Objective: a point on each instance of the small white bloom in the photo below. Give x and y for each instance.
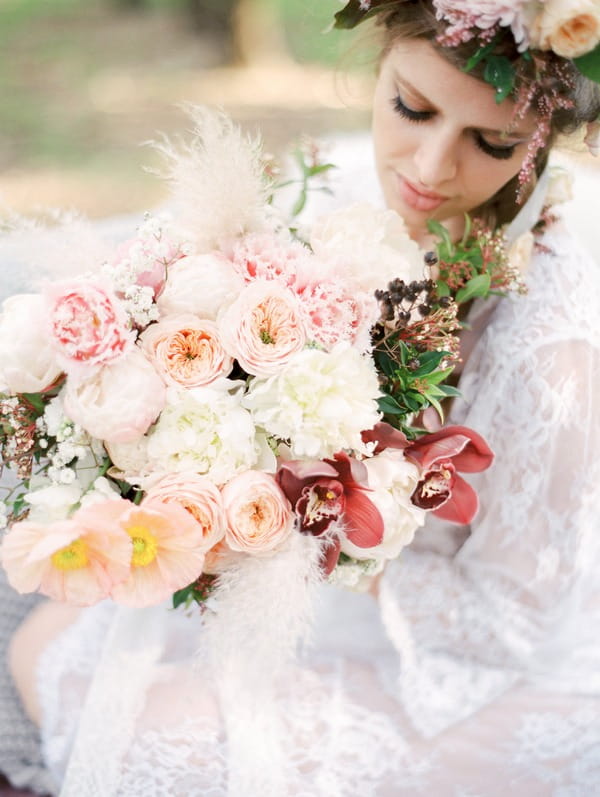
(357, 576)
(53, 502)
(320, 402)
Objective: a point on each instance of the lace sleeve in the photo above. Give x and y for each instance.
(514, 597)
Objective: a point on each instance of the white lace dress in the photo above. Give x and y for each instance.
(477, 673)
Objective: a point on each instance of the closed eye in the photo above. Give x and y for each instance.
(500, 153)
(408, 113)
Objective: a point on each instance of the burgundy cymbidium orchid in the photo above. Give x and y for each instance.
(441, 456)
(330, 499)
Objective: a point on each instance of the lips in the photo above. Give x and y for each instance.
(418, 198)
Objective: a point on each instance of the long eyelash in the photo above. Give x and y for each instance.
(500, 153)
(408, 113)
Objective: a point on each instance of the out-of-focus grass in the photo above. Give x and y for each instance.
(83, 81)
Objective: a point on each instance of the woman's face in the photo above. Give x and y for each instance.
(440, 148)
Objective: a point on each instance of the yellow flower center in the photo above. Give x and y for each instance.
(145, 546)
(71, 557)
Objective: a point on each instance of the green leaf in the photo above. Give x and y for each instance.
(442, 289)
(468, 227)
(479, 55)
(352, 14)
(500, 73)
(437, 407)
(183, 596)
(36, 400)
(449, 391)
(299, 204)
(478, 286)
(389, 406)
(385, 363)
(429, 362)
(320, 169)
(437, 229)
(589, 64)
(439, 376)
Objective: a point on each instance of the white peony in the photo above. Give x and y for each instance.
(320, 402)
(204, 430)
(370, 245)
(393, 480)
(200, 285)
(27, 360)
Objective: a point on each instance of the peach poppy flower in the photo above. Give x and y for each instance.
(76, 561)
(168, 552)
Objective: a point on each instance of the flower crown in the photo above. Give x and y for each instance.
(568, 29)
(550, 34)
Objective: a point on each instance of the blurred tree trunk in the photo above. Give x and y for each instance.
(259, 34)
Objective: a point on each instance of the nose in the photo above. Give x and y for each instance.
(436, 157)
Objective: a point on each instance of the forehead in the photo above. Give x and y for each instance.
(416, 64)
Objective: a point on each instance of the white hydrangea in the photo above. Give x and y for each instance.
(320, 402)
(356, 575)
(204, 430)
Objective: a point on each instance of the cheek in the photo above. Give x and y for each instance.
(486, 176)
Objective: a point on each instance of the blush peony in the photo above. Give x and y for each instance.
(186, 351)
(263, 328)
(259, 516)
(87, 324)
(201, 285)
(118, 402)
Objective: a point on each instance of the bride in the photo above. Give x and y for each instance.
(472, 668)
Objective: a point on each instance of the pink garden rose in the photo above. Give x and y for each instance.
(118, 402)
(76, 561)
(199, 496)
(87, 324)
(259, 516)
(263, 328)
(168, 551)
(186, 351)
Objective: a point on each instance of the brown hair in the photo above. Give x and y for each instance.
(417, 20)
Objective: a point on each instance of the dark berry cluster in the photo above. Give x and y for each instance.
(399, 303)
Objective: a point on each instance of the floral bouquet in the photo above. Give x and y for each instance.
(220, 385)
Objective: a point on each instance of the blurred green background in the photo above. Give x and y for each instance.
(83, 82)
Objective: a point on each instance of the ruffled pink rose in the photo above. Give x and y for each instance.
(199, 496)
(76, 561)
(259, 516)
(264, 256)
(263, 328)
(88, 324)
(187, 351)
(118, 402)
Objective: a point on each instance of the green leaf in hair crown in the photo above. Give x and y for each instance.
(356, 11)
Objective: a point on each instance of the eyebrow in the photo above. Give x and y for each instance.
(518, 135)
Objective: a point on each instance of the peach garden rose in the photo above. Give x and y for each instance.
(199, 496)
(263, 328)
(570, 28)
(186, 351)
(259, 516)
